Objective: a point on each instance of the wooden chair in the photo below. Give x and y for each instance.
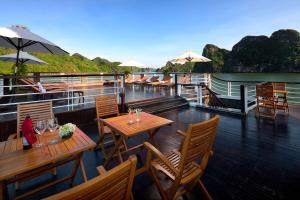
(37, 112)
(115, 184)
(186, 166)
(280, 90)
(166, 81)
(142, 79)
(106, 106)
(266, 101)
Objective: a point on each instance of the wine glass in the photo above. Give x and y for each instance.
(130, 113)
(53, 126)
(40, 128)
(138, 113)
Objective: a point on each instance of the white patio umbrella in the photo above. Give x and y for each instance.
(24, 58)
(190, 56)
(22, 39)
(131, 63)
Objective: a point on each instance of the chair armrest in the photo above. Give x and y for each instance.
(160, 156)
(101, 170)
(181, 133)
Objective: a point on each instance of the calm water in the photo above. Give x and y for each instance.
(273, 77)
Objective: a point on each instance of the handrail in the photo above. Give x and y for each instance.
(247, 81)
(58, 75)
(76, 89)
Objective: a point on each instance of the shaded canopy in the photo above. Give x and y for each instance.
(21, 38)
(24, 58)
(131, 63)
(190, 56)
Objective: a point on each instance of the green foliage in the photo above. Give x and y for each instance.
(127, 72)
(66, 64)
(21, 71)
(186, 67)
(217, 55)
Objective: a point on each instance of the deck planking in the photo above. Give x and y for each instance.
(253, 158)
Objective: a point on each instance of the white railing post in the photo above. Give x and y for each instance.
(72, 93)
(68, 84)
(199, 94)
(229, 88)
(209, 80)
(179, 89)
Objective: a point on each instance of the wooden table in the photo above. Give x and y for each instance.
(119, 125)
(17, 165)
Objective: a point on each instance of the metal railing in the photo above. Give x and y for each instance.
(245, 91)
(67, 92)
(80, 90)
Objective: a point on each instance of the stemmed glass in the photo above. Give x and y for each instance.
(130, 113)
(138, 113)
(40, 128)
(53, 126)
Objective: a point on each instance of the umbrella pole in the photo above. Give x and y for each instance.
(17, 62)
(14, 82)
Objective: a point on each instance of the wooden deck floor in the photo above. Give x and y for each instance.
(253, 158)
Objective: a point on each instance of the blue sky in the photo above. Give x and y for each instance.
(150, 31)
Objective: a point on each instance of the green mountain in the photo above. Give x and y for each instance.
(278, 53)
(75, 63)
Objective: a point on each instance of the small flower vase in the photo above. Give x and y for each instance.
(67, 135)
(66, 131)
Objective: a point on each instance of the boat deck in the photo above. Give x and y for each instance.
(253, 158)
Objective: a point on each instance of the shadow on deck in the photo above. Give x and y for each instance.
(253, 158)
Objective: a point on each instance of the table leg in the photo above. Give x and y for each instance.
(116, 148)
(77, 164)
(3, 191)
(83, 170)
(152, 133)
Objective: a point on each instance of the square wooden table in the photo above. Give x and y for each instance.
(119, 125)
(17, 164)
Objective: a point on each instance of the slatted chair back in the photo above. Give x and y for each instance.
(167, 78)
(198, 142)
(279, 86)
(37, 112)
(114, 184)
(154, 79)
(106, 105)
(265, 91)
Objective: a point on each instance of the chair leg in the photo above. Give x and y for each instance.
(17, 185)
(204, 190)
(131, 196)
(100, 145)
(158, 185)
